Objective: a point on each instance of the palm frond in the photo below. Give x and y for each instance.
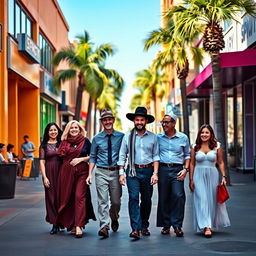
(62, 76)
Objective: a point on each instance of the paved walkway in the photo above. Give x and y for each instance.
(23, 230)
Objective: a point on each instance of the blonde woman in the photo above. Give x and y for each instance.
(75, 207)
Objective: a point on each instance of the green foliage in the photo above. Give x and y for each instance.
(87, 63)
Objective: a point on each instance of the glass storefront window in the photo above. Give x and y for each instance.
(11, 16)
(18, 20)
(46, 54)
(240, 138)
(47, 114)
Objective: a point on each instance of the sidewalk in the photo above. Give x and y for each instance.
(23, 230)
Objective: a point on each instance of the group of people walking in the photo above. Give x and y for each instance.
(138, 159)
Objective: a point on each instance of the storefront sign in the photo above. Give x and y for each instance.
(27, 168)
(46, 85)
(22, 65)
(230, 43)
(175, 109)
(29, 47)
(171, 108)
(248, 31)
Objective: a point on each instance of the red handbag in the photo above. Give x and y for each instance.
(222, 193)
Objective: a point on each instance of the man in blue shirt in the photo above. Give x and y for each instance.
(174, 153)
(141, 146)
(27, 148)
(104, 155)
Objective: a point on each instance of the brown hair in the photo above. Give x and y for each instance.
(212, 140)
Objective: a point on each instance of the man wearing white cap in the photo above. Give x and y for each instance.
(174, 154)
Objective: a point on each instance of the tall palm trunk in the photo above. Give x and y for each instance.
(182, 74)
(79, 95)
(218, 106)
(155, 111)
(95, 119)
(184, 106)
(89, 118)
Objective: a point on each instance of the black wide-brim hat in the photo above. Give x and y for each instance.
(140, 111)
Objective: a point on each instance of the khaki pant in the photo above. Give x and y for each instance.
(108, 187)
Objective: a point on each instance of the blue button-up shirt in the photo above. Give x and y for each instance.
(175, 149)
(146, 148)
(99, 148)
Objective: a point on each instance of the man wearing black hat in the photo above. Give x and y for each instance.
(141, 147)
(104, 154)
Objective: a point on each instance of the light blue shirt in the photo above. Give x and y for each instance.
(175, 149)
(99, 148)
(25, 147)
(146, 148)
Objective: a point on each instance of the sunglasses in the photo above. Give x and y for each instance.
(167, 122)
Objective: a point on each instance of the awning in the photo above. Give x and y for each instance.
(236, 67)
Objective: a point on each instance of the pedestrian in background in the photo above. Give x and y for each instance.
(27, 148)
(75, 206)
(203, 181)
(50, 165)
(141, 147)
(174, 154)
(13, 158)
(104, 155)
(2, 159)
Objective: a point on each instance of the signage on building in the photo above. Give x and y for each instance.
(46, 86)
(175, 109)
(247, 30)
(29, 47)
(230, 43)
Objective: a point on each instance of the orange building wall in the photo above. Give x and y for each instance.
(13, 113)
(3, 75)
(29, 118)
(19, 95)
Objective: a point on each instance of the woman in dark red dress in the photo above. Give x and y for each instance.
(75, 208)
(50, 166)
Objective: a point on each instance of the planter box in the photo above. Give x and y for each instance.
(8, 174)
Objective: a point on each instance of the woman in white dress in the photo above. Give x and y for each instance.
(203, 181)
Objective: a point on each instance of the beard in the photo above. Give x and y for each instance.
(143, 127)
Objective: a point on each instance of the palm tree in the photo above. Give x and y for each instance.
(152, 82)
(137, 99)
(175, 53)
(110, 98)
(88, 65)
(206, 17)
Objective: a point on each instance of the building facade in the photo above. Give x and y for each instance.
(32, 31)
(238, 68)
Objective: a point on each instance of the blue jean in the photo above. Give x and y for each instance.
(171, 197)
(140, 192)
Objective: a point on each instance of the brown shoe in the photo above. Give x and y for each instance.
(207, 232)
(135, 234)
(178, 232)
(103, 232)
(165, 231)
(114, 225)
(145, 232)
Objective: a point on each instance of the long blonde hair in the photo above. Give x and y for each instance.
(68, 126)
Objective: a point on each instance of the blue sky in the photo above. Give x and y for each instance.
(125, 24)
